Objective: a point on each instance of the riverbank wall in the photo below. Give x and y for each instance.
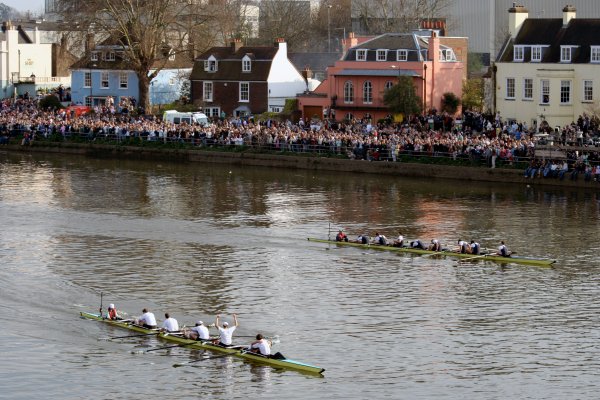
(403, 169)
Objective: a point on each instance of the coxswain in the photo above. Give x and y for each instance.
(399, 242)
(170, 324)
(380, 239)
(198, 332)
(147, 320)
(435, 245)
(475, 248)
(341, 237)
(417, 244)
(226, 332)
(112, 312)
(463, 247)
(503, 250)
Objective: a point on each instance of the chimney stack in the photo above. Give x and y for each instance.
(236, 44)
(569, 12)
(517, 14)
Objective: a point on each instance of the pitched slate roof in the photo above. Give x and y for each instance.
(229, 61)
(314, 61)
(551, 32)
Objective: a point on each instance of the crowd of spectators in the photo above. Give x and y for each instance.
(480, 138)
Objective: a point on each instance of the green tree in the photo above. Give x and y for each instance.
(402, 97)
(473, 94)
(450, 102)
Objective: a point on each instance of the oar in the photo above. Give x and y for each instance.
(274, 339)
(100, 304)
(201, 359)
(132, 336)
(164, 347)
(471, 258)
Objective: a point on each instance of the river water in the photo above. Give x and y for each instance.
(197, 240)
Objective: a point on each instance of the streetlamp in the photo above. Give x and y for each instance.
(424, 89)
(328, 28)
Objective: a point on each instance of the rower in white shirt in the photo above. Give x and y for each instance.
(503, 250)
(170, 324)
(225, 331)
(198, 332)
(147, 320)
(261, 345)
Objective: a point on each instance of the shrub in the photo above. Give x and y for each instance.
(50, 102)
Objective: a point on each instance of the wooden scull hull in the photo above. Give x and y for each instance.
(499, 259)
(194, 344)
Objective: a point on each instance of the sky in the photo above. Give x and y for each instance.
(24, 5)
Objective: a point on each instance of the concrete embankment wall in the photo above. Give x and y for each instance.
(427, 171)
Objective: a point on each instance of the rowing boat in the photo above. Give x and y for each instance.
(540, 262)
(194, 344)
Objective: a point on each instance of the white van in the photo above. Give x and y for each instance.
(177, 117)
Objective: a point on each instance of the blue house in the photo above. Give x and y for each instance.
(102, 76)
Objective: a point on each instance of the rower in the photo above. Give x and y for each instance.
(262, 346)
(147, 320)
(362, 239)
(463, 247)
(170, 324)
(503, 250)
(341, 236)
(475, 248)
(226, 332)
(435, 245)
(198, 332)
(380, 239)
(399, 242)
(417, 244)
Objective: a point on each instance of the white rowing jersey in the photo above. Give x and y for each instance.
(263, 346)
(462, 245)
(148, 318)
(171, 324)
(226, 335)
(503, 250)
(202, 332)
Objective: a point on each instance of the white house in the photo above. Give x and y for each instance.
(548, 68)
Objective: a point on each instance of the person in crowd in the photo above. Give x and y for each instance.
(147, 319)
(170, 324)
(226, 331)
(341, 236)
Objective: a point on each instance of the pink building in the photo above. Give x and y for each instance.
(355, 85)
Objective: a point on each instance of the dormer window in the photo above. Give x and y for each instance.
(171, 55)
(402, 55)
(536, 53)
(381, 55)
(447, 55)
(595, 54)
(94, 56)
(246, 64)
(211, 64)
(361, 55)
(565, 54)
(518, 53)
(110, 56)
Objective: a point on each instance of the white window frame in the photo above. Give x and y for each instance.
(527, 88)
(88, 101)
(566, 92)
(510, 88)
(361, 54)
(104, 80)
(587, 90)
(402, 55)
(595, 54)
(544, 90)
(348, 92)
(381, 55)
(87, 79)
(123, 80)
(367, 96)
(565, 54)
(110, 56)
(211, 64)
(207, 90)
(519, 53)
(244, 92)
(171, 55)
(388, 85)
(536, 53)
(246, 64)
(94, 56)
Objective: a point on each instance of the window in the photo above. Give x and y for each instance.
(536, 54)
(545, 91)
(565, 54)
(402, 55)
(565, 92)
(214, 112)
(361, 55)
(388, 85)
(172, 55)
(510, 88)
(348, 92)
(246, 64)
(172, 81)
(110, 56)
(123, 80)
(211, 65)
(87, 79)
(88, 101)
(518, 53)
(381, 55)
(349, 117)
(244, 91)
(527, 89)
(588, 90)
(104, 80)
(207, 91)
(94, 56)
(595, 54)
(367, 92)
